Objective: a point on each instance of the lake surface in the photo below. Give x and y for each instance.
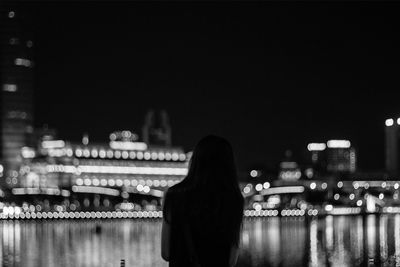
(331, 241)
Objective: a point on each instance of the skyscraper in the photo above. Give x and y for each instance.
(16, 80)
(336, 156)
(341, 157)
(392, 146)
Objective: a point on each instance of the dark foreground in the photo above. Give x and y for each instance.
(330, 241)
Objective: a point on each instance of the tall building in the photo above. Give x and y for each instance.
(341, 157)
(318, 156)
(392, 146)
(289, 169)
(16, 80)
(156, 130)
(335, 156)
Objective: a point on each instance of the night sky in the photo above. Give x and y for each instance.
(268, 76)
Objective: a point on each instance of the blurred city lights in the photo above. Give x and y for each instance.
(266, 185)
(339, 144)
(389, 122)
(259, 187)
(316, 147)
(254, 173)
(313, 186)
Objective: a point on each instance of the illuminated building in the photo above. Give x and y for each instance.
(16, 81)
(124, 169)
(317, 151)
(289, 169)
(392, 146)
(341, 157)
(335, 156)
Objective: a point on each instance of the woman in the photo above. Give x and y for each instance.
(203, 214)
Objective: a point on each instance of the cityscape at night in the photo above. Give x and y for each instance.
(102, 104)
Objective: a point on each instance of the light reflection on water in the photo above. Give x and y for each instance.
(331, 241)
(76, 243)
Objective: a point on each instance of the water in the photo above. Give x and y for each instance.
(331, 241)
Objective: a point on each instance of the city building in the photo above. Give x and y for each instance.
(341, 157)
(289, 169)
(318, 157)
(16, 80)
(335, 156)
(392, 146)
(97, 176)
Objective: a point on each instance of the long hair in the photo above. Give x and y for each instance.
(212, 181)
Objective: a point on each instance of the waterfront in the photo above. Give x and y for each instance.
(329, 241)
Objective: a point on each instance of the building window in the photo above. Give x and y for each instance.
(9, 87)
(11, 14)
(17, 115)
(14, 41)
(23, 62)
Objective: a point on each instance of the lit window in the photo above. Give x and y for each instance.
(23, 62)
(17, 115)
(11, 14)
(9, 87)
(13, 41)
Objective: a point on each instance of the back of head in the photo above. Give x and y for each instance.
(212, 165)
(212, 181)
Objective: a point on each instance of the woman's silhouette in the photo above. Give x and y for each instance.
(203, 214)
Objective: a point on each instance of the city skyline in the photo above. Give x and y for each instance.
(102, 103)
(275, 81)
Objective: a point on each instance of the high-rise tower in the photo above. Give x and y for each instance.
(392, 146)
(16, 81)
